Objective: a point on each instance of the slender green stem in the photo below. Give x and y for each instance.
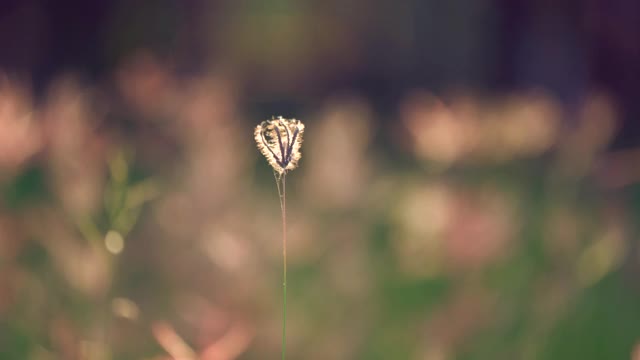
(283, 208)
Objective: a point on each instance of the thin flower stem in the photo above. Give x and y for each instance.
(283, 208)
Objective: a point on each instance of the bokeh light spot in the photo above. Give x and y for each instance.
(114, 242)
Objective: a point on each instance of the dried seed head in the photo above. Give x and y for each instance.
(279, 140)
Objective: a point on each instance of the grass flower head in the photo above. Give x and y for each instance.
(279, 140)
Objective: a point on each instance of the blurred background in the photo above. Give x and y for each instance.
(469, 187)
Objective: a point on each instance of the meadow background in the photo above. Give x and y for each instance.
(469, 186)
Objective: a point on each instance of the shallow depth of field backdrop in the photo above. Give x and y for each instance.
(469, 186)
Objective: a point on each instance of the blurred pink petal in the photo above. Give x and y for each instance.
(233, 343)
(20, 134)
(172, 342)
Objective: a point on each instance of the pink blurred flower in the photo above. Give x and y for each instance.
(437, 133)
(76, 152)
(219, 337)
(20, 135)
(148, 85)
(338, 168)
(480, 230)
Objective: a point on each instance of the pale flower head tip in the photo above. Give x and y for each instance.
(279, 140)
